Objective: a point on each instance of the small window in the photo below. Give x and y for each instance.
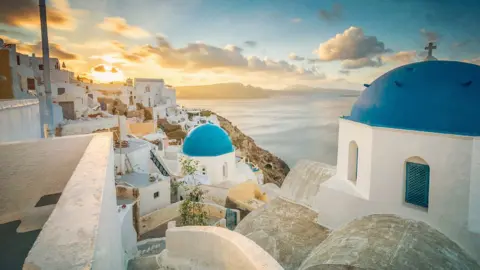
(156, 194)
(18, 60)
(147, 88)
(40, 66)
(225, 170)
(417, 183)
(353, 162)
(30, 84)
(61, 91)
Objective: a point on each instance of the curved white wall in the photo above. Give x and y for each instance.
(19, 120)
(218, 248)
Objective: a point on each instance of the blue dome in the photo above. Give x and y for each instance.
(207, 141)
(432, 96)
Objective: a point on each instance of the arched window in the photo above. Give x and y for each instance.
(225, 170)
(353, 162)
(417, 181)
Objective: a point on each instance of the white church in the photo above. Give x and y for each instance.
(212, 148)
(411, 147)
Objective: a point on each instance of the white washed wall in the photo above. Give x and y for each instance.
(129, 236)
(19, 120)
(148, 203)
(214, 167)
(451, 202)
(362, 135)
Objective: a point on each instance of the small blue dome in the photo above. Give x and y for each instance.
(432, 96)
(207, 141)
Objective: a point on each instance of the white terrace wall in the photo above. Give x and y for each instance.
(217, 248)
(19, 120)
(83, 232)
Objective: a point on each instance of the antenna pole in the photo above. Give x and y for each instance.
(46, 69)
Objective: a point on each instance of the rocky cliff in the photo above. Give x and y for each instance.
(274, 169)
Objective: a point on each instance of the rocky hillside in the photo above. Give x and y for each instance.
(274, 169)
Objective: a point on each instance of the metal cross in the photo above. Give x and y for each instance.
(430, 48)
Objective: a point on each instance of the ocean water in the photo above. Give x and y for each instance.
(292, 127)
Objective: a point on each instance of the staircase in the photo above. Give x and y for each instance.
(159, 165)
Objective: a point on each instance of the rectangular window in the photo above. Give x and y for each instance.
(40, 66)
(18, 60)
(417, 184)
(61, 91)
(156, 194)
(30, 84)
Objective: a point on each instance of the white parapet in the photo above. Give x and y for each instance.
(83, 232)
(214, 248)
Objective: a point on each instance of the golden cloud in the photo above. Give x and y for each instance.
(120, 26)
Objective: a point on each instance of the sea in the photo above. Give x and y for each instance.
(291, 126)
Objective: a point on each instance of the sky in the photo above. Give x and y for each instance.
(266, 43)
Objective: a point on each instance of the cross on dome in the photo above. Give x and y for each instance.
(430, 49)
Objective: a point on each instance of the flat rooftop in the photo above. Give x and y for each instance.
(33, 177)
(136, 179)
(133, 145)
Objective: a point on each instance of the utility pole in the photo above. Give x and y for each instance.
(46, 69)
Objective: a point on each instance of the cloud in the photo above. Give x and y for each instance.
(361, 63)
(196, 57)
(100, 68)
(350, 45)
(296, 20)
(404, 57)
(25, 13)
(429, 35)
(250, 43)
(344, 72)
(8, 40)
(120, 26)
(313, 60)
(55, 50)
(334, 14)
(294, 57)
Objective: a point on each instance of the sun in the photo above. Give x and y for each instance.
(105, 74)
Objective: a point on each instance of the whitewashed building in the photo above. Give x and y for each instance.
(211, 146)
(411, 147)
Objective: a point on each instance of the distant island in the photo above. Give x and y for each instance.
(241, 91)
(221, 91)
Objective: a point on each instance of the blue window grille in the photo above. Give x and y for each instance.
(417, 184)
(231, 219)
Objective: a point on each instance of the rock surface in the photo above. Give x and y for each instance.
(274, 169)
(287, 231)
(388, 242)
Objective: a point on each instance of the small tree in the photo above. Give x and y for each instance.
(192, 212)
(189, 166)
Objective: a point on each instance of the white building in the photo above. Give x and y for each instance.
(154, 92)
(411, 147)
(135, 168)
(211, 146)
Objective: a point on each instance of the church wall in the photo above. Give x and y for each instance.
(362, 135)
(474, 200)
(449, 158)
(214, 167)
